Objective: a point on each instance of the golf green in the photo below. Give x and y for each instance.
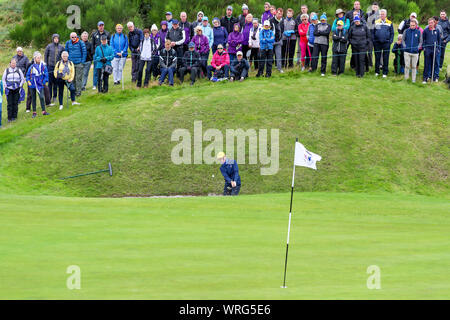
(225, 248)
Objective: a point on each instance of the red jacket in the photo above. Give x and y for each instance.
(302, 31)
(220, 60)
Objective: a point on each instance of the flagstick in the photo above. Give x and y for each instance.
(289, 225)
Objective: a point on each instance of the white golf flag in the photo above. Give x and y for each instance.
(305, 158)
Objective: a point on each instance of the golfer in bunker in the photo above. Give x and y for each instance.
(230, 172)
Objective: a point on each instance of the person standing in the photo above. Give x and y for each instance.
(242, 19)
(235, 40)
(445, 25)
(267, 15)
(201, 45)
(382, 38)
(228, 21)
(399, 60)
(248, 25)
(1, 101)
(220, 35)
(305, 52)
(22, 61)
(177, 37)
(356, 11)
(310, 36)
(340, 36)
(188, 31)
(299, 21)
(359, 37)
(411, 42)
(89, 57)
(404, 25)
(168, 62)
(147, 49)
(197, 22)
(135, 38)
(254, 44)
(52, 55)
(431, 45)
(230, 173)
(64, 72)
(208, 31)
(289, 39)
(103, 56)
(321, 44)
(37, 77)
(191, 63)
(77, 54)
(96, 41)
(162, 34)
(266, 44)
(13, 80)
(370, 18)
(119, 44)
(340, 16)
(277, 26)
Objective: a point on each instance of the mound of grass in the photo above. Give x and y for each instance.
(374, 136)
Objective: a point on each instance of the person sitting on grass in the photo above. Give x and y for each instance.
(103, 56)
(230, 172)
(64, 74)
(168, 63)
(191, 63)
(220, 65)
(37, 77)
(239, 67)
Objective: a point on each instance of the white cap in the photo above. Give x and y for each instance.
(19, 49)
(239, 53)
(267, 23)
(413, 14)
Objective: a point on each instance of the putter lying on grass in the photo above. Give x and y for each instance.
(89, 173)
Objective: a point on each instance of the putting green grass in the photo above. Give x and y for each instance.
(225, 248)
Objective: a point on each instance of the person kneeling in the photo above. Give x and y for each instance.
(230, 172)
(64, 74)
(168, 62)
(191, 63)
(239, 67)
(220, 65)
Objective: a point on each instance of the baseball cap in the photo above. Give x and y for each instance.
(168, 13)
(267, 23)
(205, 19)
(230, 8)
(239, 53)
(100, 23)
(356, 18)
(413, 15)
(174, 21)
(191, 45)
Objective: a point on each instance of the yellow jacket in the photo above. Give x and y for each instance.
(59, 68)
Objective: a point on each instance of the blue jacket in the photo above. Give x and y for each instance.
(108, 53)
(230, 171)
(412, 40)
(383, 33)
(266, 39)
(134, 39)
(37, 75)
(220, 36)
(119, 43)
(430, 38)
(77, 51)
(311, 34)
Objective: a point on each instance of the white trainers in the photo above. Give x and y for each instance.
(437, 80)
(28, 111)
(377, 74)
(323, 74)
(384, 76)
(281, 71)
(94, 88)
(74, 103)
(51, 104)
(61, 107)
(424, 82)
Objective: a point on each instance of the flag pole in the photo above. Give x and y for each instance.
(289, 225)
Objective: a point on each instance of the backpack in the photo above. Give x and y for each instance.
(65, 71)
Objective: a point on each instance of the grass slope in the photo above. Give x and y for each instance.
(225, 248)
(374, 135)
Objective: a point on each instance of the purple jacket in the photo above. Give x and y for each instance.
(246, 32)
(235, 40)
(266, 16)
(157, 40)
(201, 43)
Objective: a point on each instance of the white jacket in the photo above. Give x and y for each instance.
(254, 43)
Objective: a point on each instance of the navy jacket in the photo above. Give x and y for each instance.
(134, 39)
(383, 33)
(230, 171)
(412, 40)
(430, 38)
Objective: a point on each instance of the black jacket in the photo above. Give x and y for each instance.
(277, 28)
(176, 36)
(228, 23)
(89, 51)
(134, 39)
(349, 15)
(191, 59)
(167, 59)
(340, 38)
(96, 38)
(359, 36)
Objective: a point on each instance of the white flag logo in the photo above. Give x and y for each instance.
(305, 158)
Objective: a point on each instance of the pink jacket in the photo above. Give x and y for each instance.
(220, 60)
